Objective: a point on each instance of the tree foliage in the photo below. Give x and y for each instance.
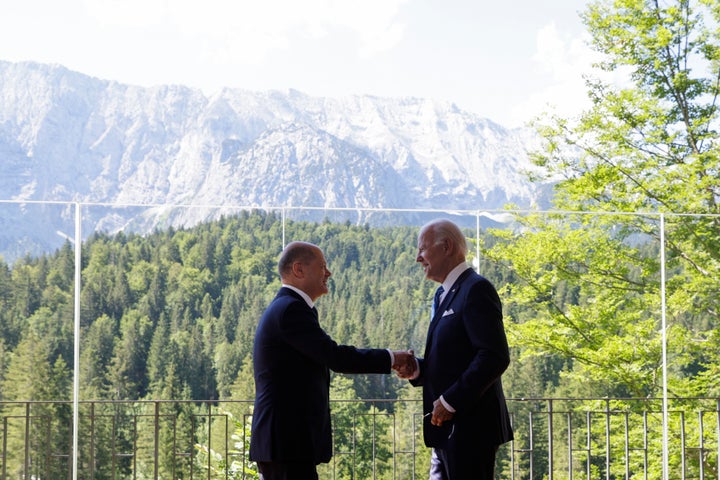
(176, 310)
(172, 314)
(637, 174)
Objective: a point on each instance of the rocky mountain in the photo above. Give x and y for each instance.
(69, 137)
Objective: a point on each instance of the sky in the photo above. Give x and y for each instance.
(504, 60)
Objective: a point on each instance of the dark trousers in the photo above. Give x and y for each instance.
(287, 471)
(446, 464)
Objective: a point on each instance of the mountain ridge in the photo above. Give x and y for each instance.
(66, 136)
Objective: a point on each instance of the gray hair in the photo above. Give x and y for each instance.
(443, 229)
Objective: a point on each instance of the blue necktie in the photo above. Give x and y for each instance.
(436, 300)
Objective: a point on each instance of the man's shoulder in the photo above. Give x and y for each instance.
(470, 276)
(286, 306)
(285, 297)
(473, 279)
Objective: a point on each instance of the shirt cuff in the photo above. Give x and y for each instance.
(392, 358)
(447, 406)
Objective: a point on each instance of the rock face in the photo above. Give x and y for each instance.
(68, 137)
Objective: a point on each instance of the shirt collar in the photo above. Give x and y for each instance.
(304, 295)
(453, 276)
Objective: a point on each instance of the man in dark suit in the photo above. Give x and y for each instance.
(466, 352)
(292, 357)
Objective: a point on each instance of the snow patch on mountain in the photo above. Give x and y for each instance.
(68, 137)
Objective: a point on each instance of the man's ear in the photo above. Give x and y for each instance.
(447, 245)
(297, 269)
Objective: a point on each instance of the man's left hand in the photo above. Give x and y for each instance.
(440, 414)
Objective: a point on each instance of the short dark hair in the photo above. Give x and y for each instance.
(302, 252)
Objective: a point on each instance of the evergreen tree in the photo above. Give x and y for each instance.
(95, 358)
(31, 376)
(127, 372)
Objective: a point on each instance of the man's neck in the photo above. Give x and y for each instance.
(304, 295)
(453, 275)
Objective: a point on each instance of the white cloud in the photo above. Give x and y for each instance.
(562, 57)
(568, 61)
(321, 47)
(247, 31)
(563, 61)
(374, 21)
(130, 13)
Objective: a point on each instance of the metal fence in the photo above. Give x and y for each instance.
(556, 438)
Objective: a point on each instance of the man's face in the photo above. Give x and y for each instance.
(431, 255)
(316, 274)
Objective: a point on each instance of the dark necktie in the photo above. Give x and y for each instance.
(436, 300)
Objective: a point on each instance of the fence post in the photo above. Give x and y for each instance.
(76, 341)
(550, 439)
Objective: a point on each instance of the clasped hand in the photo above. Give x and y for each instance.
(405, 363)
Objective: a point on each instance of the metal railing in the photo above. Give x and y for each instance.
(665, 441)
(555, 438)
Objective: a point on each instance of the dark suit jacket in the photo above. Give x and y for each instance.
(292, 358)
(466, 352)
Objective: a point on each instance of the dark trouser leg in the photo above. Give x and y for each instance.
(478, 464)
(287, 471)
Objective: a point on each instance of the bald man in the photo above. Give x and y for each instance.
(292, 357)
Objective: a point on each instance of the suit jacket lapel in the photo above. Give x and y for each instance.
(447, 300)
(451, 294)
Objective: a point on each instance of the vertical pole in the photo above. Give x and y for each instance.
(717, 427)
(664, 347)
(607, 439)
(570, 445)
(550, 447)
(76, 340)
(477, 242)
(156, 439)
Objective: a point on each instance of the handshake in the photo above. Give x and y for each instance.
(405, 364)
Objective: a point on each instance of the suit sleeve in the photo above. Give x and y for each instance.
(418, 380)
(482, 319)
(302, 331)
